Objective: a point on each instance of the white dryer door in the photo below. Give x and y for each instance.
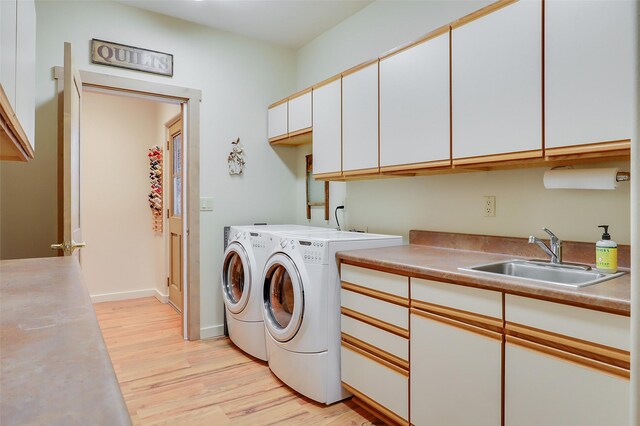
(236, 278)
(283, 297)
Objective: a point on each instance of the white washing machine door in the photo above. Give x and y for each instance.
(236, 278)
(283, 297)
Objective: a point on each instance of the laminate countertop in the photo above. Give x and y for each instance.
(55, 368)
(441, 264)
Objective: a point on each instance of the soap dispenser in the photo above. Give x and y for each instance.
(606, 253)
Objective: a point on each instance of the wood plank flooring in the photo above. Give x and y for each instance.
(168, 381)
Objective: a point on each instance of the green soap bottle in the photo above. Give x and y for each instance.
(606, 253)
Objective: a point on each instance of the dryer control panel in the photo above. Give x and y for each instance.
(314, 251)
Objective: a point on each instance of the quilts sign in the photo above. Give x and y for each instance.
(133, 58)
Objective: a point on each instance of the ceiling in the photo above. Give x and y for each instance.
(290, 23)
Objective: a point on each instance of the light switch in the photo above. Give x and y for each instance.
(206, 204)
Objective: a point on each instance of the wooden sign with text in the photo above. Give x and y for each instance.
(133, 58)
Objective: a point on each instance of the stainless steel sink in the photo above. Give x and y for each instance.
(567, 275)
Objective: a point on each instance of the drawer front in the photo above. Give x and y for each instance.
(383, 311)
(585, 324)
(388, 342)
(375, 280)
(376, 380)
(475, 300)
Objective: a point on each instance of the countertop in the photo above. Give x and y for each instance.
(442, 264)
(55, 368)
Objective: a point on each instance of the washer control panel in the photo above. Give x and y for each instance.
(314, 251)
(259, 241)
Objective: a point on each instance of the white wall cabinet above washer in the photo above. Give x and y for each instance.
(300, 113)
(278, 121)
(497, 85)
(588, 72)
(327, 129)
(360, 121)
(414, 107)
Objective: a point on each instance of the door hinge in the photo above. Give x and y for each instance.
(167, 213)
(167, 281)
(167, 145)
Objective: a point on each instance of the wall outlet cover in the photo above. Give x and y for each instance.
(206, 204)
(489, 206)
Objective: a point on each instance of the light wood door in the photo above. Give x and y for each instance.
(497, 83)
(327, 128)
(414, 106)
(360, 121)
(456, 372)
(175, 164)
(71, 215)
(588, 72)
(543, 389)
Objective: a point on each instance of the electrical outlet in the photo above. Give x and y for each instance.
(489, 206)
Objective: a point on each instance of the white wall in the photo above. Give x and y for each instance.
(450, 203)
(124, 256)
(239, 77)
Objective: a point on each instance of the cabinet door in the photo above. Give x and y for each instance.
(327, 136)
(456, 372)
(300, 113)
(8, 29)
(414, 106)
(360, 121)
(542, 389)
(278, 116)
(588, 72)
(25, 105)
(497, 85)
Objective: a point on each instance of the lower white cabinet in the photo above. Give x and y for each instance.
(376, 381)
(456, 376)
(553, 390)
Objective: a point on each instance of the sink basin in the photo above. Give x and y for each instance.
(568, 275)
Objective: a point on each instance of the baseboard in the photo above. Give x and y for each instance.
(212, 331)
(125, 295)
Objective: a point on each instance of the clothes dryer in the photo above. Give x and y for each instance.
(301, 308)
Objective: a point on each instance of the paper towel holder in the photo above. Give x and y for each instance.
(620, 176)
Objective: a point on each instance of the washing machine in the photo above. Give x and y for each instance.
(243, 261)
(301, 308)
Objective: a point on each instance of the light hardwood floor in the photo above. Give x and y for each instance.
(166, 380)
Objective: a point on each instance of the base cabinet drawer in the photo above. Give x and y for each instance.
(551, 390)
(456, 373)
(378, 381)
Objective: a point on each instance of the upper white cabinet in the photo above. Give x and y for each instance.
(8, 33)
(327, 129)
(26, 68)
(497, 84)
(414, 107)
(300, 113)
(17, 79)
(360, 121)
(589, 71)
(278, 116)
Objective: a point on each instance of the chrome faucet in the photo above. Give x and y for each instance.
(555, 252)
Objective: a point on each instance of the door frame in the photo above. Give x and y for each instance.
(191, 99)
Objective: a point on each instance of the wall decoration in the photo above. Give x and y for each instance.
(236, 158)
(155, 196)
(129, 57)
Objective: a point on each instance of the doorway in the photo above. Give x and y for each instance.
(190, 100)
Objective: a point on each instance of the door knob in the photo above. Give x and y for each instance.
(67, 247)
